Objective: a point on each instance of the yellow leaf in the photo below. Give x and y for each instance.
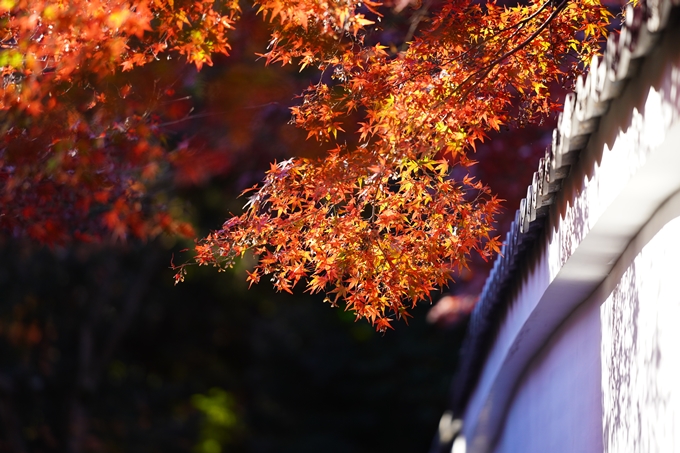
(6, 5)
(118, 18)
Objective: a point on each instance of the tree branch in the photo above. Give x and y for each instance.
(487, 69)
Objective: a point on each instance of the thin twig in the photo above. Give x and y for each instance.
(487, 69)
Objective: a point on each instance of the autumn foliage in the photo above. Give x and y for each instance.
(383, 219)
(80, 138)
(381, 224)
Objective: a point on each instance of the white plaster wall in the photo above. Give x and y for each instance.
(641, 351)
(608, 380)
(557, 407)
(627, 171)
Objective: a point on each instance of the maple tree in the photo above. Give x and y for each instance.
(381, 224)
(380, 221)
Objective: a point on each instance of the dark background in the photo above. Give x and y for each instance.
(100, 352)
(100, 349)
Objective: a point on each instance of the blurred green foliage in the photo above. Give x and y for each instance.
(219, 419)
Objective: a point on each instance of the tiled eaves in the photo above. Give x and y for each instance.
(580, 118)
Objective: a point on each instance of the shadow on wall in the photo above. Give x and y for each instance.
(640, 364)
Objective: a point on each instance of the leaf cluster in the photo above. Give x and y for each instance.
(81, 144)
(381, 224)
